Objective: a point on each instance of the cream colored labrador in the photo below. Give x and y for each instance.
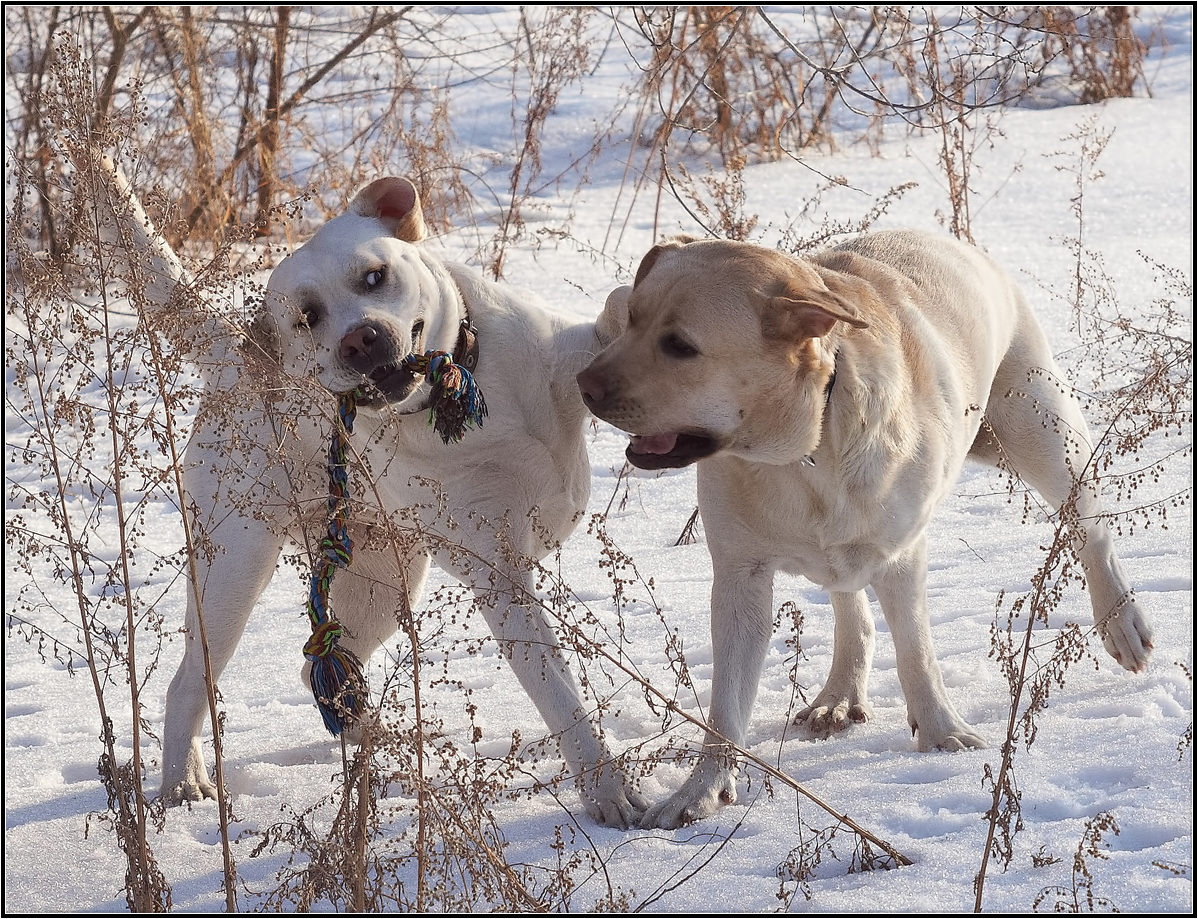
(830, 403)
(342, 312)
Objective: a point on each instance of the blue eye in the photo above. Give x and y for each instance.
(675, 346)
(375, 278)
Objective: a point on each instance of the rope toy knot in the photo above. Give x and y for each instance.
(323, 641)
(337, 681)
(456, 403)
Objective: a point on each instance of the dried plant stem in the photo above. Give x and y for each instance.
(1000, 783)
(776, 773)
(527, 898)
(407, 622)
(422, 834)
(146, 889)
(361, 770)
(222, 795)
(111, 391)
(172, 439)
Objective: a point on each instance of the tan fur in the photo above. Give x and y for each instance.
(830, 403)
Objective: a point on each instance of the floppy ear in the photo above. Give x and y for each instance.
(395, 202)
(647, 264)
(796, 316)
(262, 340)
(650, 259)
(614, 318)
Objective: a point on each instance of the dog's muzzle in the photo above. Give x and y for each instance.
(671, 450)
(371, 351)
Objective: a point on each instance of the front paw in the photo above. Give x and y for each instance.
(610, 800)
(1127, 636)
(185, 778)
(826, 717)
(944, 730)
(708, 789)
(188, 791)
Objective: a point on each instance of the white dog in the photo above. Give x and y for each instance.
(342, 312)
(830, 403)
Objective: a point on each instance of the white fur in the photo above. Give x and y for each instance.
(256, 463)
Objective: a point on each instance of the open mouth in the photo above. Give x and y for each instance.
(669, 451)
(392, 383)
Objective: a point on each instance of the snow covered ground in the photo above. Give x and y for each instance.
(1109, 741)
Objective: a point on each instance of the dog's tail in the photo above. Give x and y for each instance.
(157, 278)
(163, 291)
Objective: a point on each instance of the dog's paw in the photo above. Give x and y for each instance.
(708, 789)
(683, 809)
(186, 782)
(825, 718)
(187, 792)
(1127, 636)
(945, 731)
(621, 811)
(611, 801)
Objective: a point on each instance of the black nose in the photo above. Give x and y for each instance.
(357, 348)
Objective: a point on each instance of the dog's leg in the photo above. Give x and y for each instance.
(370, 599)
(230, 577)
(370, 596)
(844, 698)
(505, 591)
(1042, 434)
(741, 625)
(233, 490)
(902, 593)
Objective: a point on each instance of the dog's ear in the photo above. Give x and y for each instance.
(651, 257)
(262, 341)
(612, 321)
(395, 202)
(801, 314)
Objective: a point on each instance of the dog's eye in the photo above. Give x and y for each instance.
(310, 315)
(675, 346)
(375, 278)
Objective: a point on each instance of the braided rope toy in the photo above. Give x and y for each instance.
(456, 404)
(336, 676)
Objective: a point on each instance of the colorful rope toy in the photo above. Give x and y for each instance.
(336, 676)
(456, 404)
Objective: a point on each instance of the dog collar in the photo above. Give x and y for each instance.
(465, 352)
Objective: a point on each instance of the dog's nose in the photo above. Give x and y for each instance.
(357, 347)
(592, 387)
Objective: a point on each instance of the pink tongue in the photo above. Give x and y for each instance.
(656, 444)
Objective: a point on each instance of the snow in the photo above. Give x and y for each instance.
(1109, 741)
